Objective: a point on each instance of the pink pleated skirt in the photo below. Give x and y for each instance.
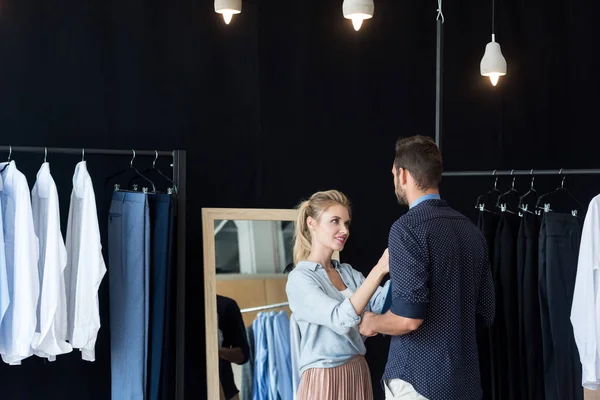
(351, 381)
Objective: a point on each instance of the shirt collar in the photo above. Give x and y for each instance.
(432, 196)
(313, 265)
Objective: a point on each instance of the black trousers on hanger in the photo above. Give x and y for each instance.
(487, 224)
(505, 335)
(560, 235)
(161, 236)
(530, 325)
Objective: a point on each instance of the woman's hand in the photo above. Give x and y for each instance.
(383, 265)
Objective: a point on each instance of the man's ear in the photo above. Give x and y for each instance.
(403, 176)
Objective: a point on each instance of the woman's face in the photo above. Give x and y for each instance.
(332, 228)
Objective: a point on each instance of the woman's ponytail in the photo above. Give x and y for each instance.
(302, 238)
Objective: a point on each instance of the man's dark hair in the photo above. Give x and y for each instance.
(420, 156)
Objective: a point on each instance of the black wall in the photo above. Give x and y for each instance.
(287, 100)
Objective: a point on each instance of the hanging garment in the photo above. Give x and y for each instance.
(161, 209)
(281, 330)
(560, 236)
(261, 374)
(487, 224)
(586, 307)
(530, 329)
(505, 332)
(50, 338)
(248, 368)
(129, 288)
(167, 373)
(85, 265)
(22, 252)
(272, 368)
(4, 284)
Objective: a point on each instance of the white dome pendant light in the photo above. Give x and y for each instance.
(358, 11)
(493, 63)
(227, 8)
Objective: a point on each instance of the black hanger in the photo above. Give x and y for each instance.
(8, 161)
(482, 200)
(147, 171)
(524, 205)
(544, 202)
(131, 168)
(509, 200)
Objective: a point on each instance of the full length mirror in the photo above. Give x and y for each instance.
(247, 253)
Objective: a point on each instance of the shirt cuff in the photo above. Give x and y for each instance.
(407, 309)
(88, 355)
(347, 314)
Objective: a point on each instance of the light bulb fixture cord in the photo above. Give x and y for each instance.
(440, 14)
(493, 19)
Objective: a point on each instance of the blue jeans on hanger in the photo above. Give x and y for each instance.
(129, 287)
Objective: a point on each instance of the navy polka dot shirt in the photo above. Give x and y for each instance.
(440, 273)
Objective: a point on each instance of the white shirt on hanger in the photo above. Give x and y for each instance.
(51, 333)
(4, 298)
(21, 246)
(85, 265)
(585, 309)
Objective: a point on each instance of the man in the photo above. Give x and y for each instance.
(441, 283)
(234, 346)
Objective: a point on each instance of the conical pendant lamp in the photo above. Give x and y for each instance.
(227, 8)
(358, 11)
(493, 63)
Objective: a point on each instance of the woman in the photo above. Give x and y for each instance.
(327, 299)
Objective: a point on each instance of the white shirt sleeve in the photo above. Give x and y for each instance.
(51, 333)
(85, 265)
(585, 309)
(4, 298)
(23, 265)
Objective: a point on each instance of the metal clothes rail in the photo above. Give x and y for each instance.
(179, 179)
(267, 307)
(529, 172)
(85, 151)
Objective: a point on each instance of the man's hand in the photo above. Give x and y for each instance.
(366, 325)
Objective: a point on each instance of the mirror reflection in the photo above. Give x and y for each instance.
(251, 258)
(253, 247)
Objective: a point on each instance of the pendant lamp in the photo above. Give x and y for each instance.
(493, 63)
(227, 8)
(358, 11)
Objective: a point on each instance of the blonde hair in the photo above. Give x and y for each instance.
(314, 207)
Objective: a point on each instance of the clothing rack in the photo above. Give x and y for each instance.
(267, 307)
(530, 172)
(179, 179)
(84, 152)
